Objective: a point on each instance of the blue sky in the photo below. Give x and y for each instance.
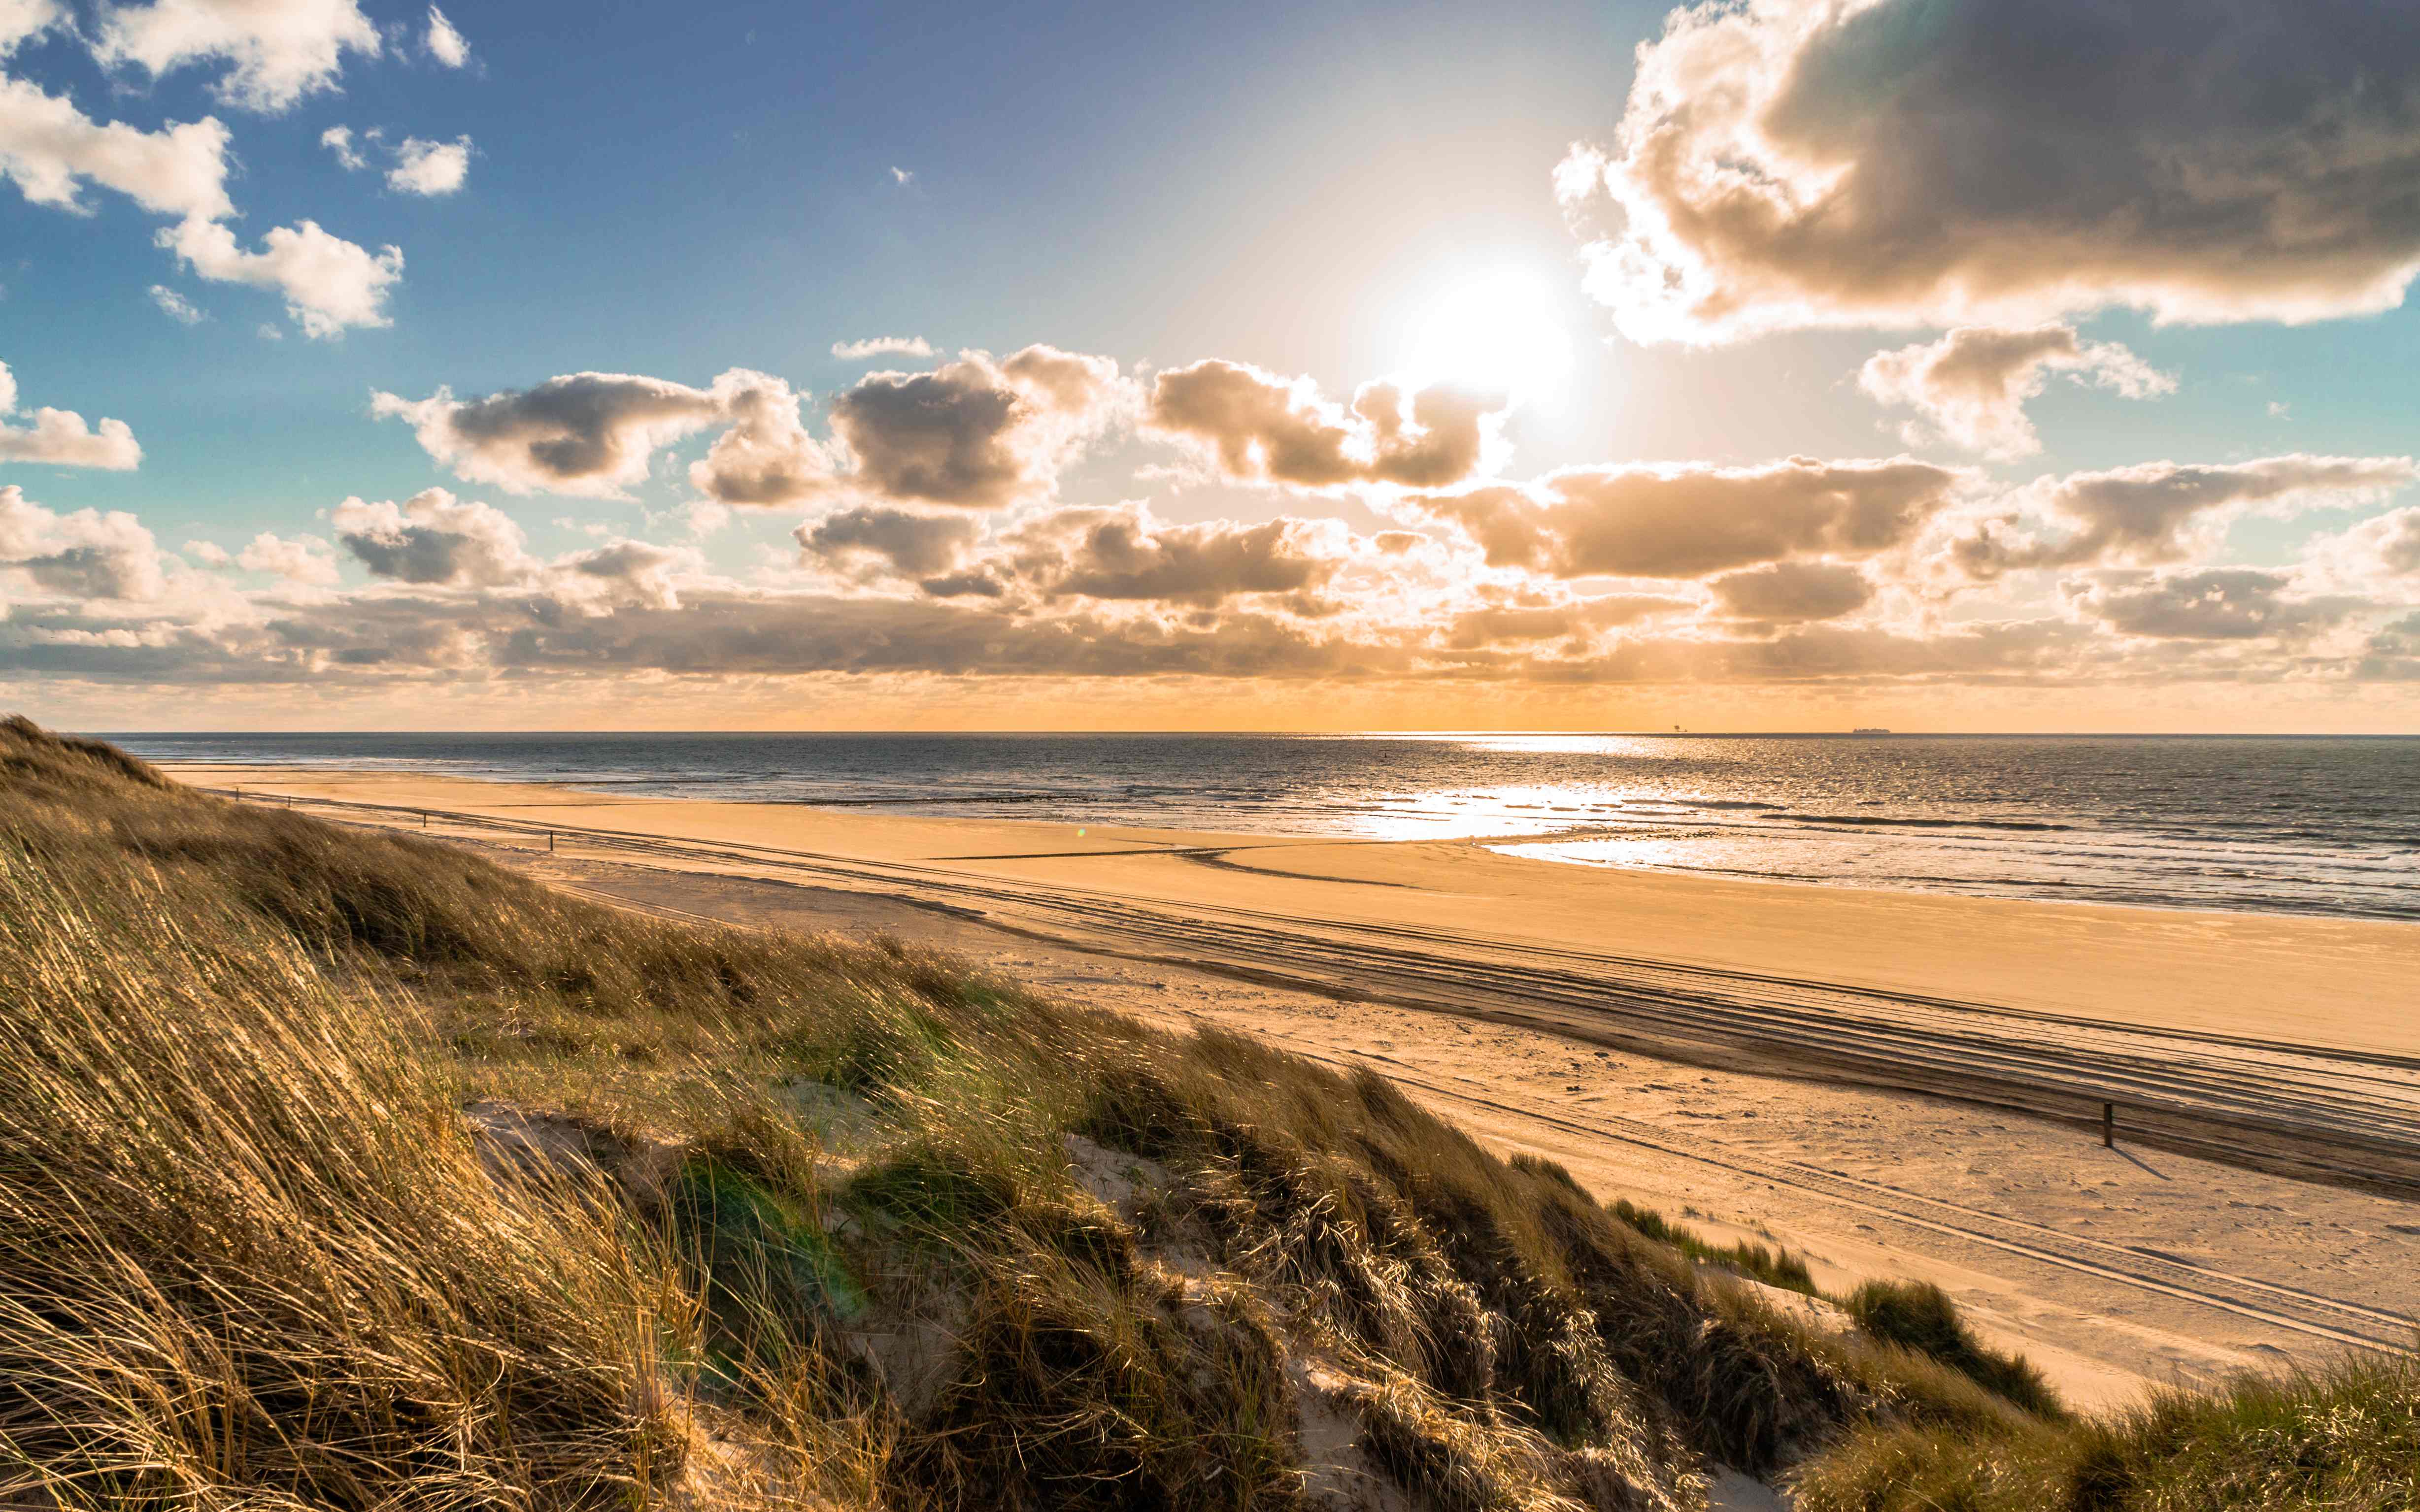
(1323, 195)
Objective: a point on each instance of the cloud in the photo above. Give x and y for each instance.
(766, 459)
(445, 43)
(1688, 520)
(2212, 604)
(978, 433)
(420, 166)
(1257, 427)
(434, 538)
(82, 555)
(1124, 554)
(2383, 547)
(60, 438)
(2162, 511)
(329, 284)
(853, 352)
(595, 434)
(902, 543)
(1789, 593)
(175, 306)
(1973, 383)
(590, 434)
(339, 140)
(21, 20)
(304, 559)
(276, 50)
(48, 150)
(429, 168)
(1791, 163)
(902, 177)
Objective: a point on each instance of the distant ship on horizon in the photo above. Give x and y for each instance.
(1870, 730)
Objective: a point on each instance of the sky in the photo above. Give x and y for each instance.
(1784, 364)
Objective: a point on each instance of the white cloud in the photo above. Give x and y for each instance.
(48, 150)
(901, 176)
(276, 50)
(1787, 164)
(339, 140)
(1971, 386)
(435, 538)
(175, 306)
(588, 434)
(51, 151)
(21, 20)
(60, 438)
(83, 555)
(329, 284)
(304, 559)
(445, 43)
(854, 352)
(431, 168)
(978, 433)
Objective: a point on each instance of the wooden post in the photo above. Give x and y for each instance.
(2108, 1125)
(424, 819)
(549, 842)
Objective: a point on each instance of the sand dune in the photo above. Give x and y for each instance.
(1500, 989)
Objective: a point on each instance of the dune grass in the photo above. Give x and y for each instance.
(343, 1169)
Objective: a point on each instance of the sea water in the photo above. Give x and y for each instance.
(2286, 823)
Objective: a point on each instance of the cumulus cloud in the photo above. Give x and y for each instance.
(1789, 593)
(2383, 547)
(434, 538)
(175, 306)
(276, 50)
(1257, 427)
(445, 43)
(60, 438)
(21, 20)
(2211, 604)
(303, 559)
(329, 284)
(1825, 162)
(429, 168)
(83, 555)
(855, 351)
(582, 433)
(339, 140)
(2162, 511)
(978, 433)
(1122, 553)
(1688, 520)
(902, 543)
(766, 459)
(1971, 386)
(50, 149)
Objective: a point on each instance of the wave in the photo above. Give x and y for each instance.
(1924, 824)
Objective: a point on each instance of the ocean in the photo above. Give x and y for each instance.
(2286, 823)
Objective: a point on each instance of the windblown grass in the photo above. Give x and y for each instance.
(341, 1168)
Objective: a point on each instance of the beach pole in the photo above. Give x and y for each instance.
(549, 842)
(2108, 1125)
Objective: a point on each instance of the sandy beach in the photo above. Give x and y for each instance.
(1895, 1083)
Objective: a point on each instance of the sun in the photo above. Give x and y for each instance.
(1502, 329)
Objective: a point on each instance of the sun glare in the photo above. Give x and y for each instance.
(1502, 329)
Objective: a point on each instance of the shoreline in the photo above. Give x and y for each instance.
(2316, 979)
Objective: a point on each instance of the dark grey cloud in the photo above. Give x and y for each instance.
(434, 538)
(1805, 163)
